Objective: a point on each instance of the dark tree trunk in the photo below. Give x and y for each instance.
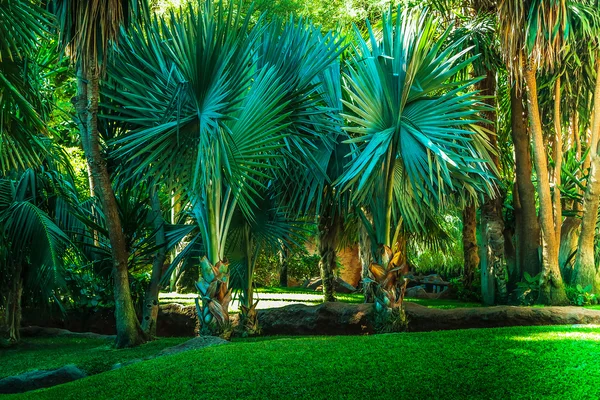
(527, 224)
(129, 331)
(150, 313)
(187, 277)
(493, 263)
(13, 305)
(470, 248)
(329, 226)
(283, 266)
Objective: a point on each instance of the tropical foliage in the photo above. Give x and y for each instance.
(212, 139)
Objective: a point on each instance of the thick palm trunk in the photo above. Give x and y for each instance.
(470, 248)
(493, 263)
(585, 272)
(569, 237)
(329, 222)
(527, 224)
(129, 332)
(150, 313)
(552, 289)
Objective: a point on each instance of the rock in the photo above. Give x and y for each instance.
(341, 286)
(130, 362)
(193, 344)
(423, 319)
(323, 319)
(434, 279)
(177, 320)
(417, 292)
(355, 319)
(40, 379)
(38, 331)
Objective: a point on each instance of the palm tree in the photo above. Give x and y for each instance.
(227, 100)
(86, 30)
(414, 130)
(23, 26)
(534, 35)
(585, 271)
(33, 246)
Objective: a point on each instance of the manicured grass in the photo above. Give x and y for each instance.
(525, 362)
(443, 303)
(279, 297)
(91, 355)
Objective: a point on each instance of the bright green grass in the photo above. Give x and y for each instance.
(278, 297)
(91, 355)
(516, 363)
(443, 303)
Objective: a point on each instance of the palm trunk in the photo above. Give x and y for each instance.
(493, 264)
(569, 237)
(13, 305)
(527, 224)
(129, 331)
(175, 209)
(248, 312)
(585, 272)
(558, 154)
(365, 254)
(151, 298)
(470, 249)
(283, 265)
(327, 244)
(552, 289)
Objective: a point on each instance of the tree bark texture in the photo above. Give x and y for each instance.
(150, 313)
(527, 224)
(585, 272)
(329, 227)
(552, 291)
(129, 331)
(470, 248)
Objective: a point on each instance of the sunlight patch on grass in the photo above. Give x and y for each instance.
(556, 336)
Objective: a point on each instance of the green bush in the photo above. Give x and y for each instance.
(581, 296)
(301, 265)
(466, 294)
(528, 289)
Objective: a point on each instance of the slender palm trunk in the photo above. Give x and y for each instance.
(552, 289)
(284, 254)
(585, 272)
(527, 224)
(13, 305)
(470, 249)
(129, 332)
(558, 155)
(329, 225)
(366, 258)
(150, 313)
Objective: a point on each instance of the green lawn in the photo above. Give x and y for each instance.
(525, 362)
(279, 297)
(91, 355)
